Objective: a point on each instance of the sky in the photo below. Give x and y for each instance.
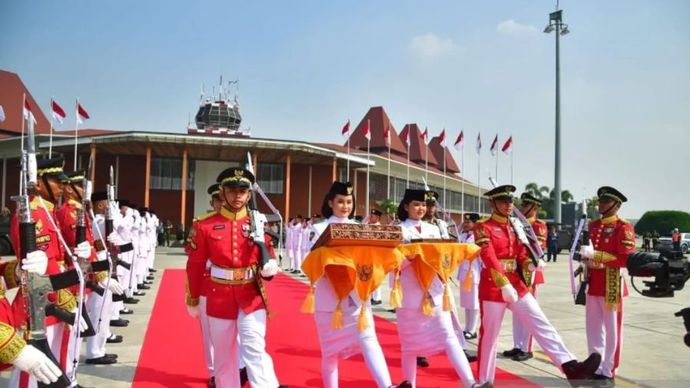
(306, 67)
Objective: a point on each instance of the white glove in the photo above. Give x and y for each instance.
(519, 230)
(37, 364)
(509, 294)
(35, 262)
(193, 311)
(587, 251)
(82, 323)
(114, 238)
(83, 250)
(114, 286)
(270, 269)
(540, 266)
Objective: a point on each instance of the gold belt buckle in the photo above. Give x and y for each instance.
(238, 274)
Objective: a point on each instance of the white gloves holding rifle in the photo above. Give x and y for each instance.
(114, 286)
(540, 266)
(37, 364)
(270, 269)
(509, 293)
(35, 262)
(114, 238)
(83, 250)
(193, 311)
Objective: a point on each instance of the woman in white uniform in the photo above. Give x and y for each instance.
(431, 333)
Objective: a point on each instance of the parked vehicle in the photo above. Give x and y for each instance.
(665, 242)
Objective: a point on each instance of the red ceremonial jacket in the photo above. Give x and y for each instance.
(541, 231)
(613, 239)
(223, 238)
(11, 343)
(67, 219)
(502, 255)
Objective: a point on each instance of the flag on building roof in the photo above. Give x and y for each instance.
(442, 138)
(479, 143)
(494, 146)
(508, 146)
(346, 129)
(405, 136)
(425, 134)
(387, 135)
(459, 140)
(366, 131)
(81, 114)
(57, 112)
(26, 111)
(2, 114)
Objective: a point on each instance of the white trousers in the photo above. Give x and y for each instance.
(376, 295)
(54, 338)
(252, 331)
(527, 310)
(604, 333)
(206, 336)
(521, 337)
(95, 345)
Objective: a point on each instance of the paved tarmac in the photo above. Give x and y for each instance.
(654, 354)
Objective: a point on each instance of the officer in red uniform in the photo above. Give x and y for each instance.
(613, 239)
(522, 340)
(236, 298)
(501, 286)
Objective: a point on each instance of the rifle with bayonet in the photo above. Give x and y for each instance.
(258, 222)
(581, 239)
(35, 288)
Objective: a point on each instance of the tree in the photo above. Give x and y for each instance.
(389, 207)
(547, 196)
(663, 221)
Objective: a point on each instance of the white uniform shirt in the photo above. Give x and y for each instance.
(412, 292)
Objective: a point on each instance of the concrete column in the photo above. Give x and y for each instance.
(183, 205)
(309, 191)
(335, 170)
(147, 183)
(93, 167)
(288, 168)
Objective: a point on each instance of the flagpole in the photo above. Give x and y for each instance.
(366, 203)
(76, 131)
(407, 185)
(496, 163)
(50, 140)
(462, 176)
(511, 160)
(479, 176)
(348, 150)
(426, 158)
(388, 185)
(444, 177)
(23, 118)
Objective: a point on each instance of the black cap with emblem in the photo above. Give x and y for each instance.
(501, 192)
(99, 196)
(611, 193)
(51, 168)
(75, 177)
(236, 177)
(376, 212)
(337, 188)
(214, 190)
(474, 217)
(433, 199)
(529, 198)
(413, 195)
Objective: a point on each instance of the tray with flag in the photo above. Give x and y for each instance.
(358, 234)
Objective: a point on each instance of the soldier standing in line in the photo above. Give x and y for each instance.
(612, 240)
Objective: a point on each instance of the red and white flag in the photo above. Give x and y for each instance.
(26, 111)
(494, 146)
(425, 134)
(366, 131)
(346, 129)
(81, 114)
(57, 112)
(442, 138)
(2, 114)
(459, 140)
(387, 135)
(405, 137)
(508, 146)
(479, 143)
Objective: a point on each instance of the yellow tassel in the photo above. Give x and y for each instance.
(396, 292)
(362, 322)
(426, 306)
(337, 322)
(308, 305)
(467, 282)
(446, 299)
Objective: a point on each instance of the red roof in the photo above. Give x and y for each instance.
(378, 121)
(419, 150)
(11, 90)
(436, 149)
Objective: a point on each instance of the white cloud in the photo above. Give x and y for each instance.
(513, 28)
(430, 47)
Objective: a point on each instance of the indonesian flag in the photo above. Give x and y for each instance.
(2, 114)
(442, 138)
(346, 129)
(459, 140)
(405, 137)
(387, 135)
(81, 114)
(425, 134)
(26, 111)
(508, 146)
(494, 146)
(367, 134)
(479, 143)
(57, 112)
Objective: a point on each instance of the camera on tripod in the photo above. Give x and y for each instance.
(670, 270)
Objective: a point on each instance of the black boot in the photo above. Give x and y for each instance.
(422, 362)
(471, 355)
(523, 356)
(581, 371)
(244, 378)
(511, 353)
(212, 382)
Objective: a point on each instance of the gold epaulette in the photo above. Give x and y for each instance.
(205, 216)
(483, 220)
(623, 220)
(538, 221)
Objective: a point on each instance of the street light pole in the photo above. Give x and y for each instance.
(556, 25)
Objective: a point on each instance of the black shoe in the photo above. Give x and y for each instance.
(101, 361)
(212, 382)
(391, 310)
(111, 355)
(422, 362)
(376, 302)
(471, 355)
(139, 293)
(469, 335)
(126, 311)
(142, 286)
(404, 384)
(523, 356)
(511, 353)
(147, 282)
(130, 301)
(579, 371)
(114, 339)
(119, 322)
(152, 270)
(244, 378)
(603, 381)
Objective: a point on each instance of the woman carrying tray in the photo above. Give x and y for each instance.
(425, 320)
(342, 280)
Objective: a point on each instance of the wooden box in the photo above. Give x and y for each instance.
(357, 234)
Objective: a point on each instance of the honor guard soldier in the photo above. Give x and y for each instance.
(468, 275)
(501, 286)
(431, 218)
(612, 240)
(236, 299)
(522, 340)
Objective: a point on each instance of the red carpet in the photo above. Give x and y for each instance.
(171, 355)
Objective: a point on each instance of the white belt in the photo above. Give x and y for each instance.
(244, 273)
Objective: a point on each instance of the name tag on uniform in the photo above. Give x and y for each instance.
(218, 227)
